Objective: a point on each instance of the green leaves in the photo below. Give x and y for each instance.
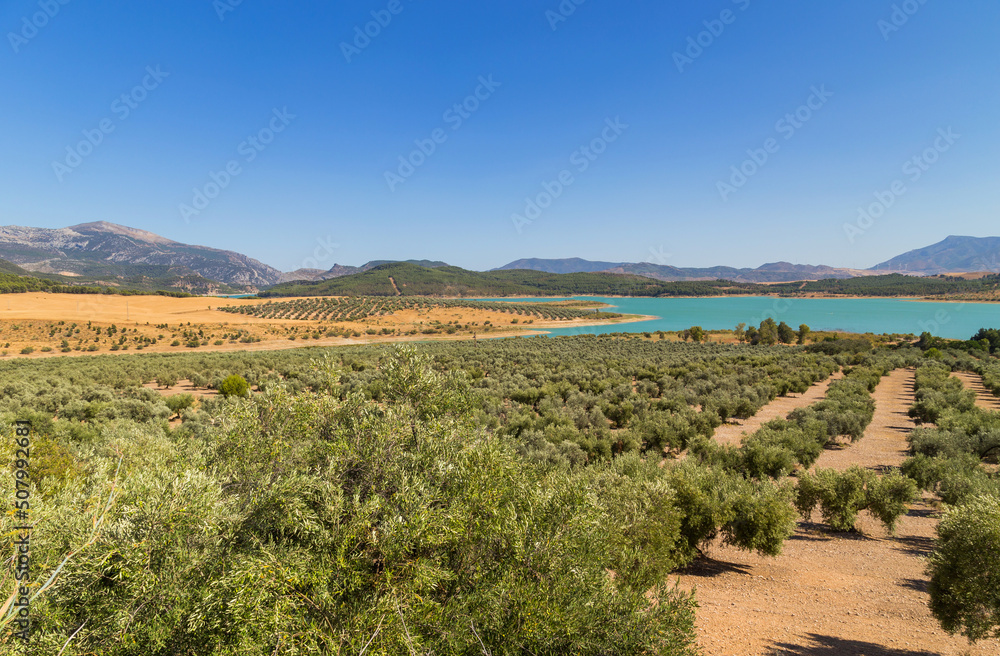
(842, 495)
(965, 594)
(234, 385)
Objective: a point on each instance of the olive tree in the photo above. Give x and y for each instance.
(965, 596)
(178, 403)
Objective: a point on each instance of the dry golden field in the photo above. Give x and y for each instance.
(41, 324)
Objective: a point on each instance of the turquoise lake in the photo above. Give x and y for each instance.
(875, 315)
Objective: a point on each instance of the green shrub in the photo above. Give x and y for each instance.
(964, 593)
(751, 515)
(178, 403)
(842, 495)
(234, 385)
(953, 479)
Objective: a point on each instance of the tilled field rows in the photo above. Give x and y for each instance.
(834, 594)
(984, 397)
(777, 409)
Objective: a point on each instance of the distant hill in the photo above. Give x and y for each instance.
(339, 270)
(427, 264)
(407, 279)
(953, 255)
(110, 255)
(12, 269)
(404, 279)
(774, 272)
(570, 265)
(113, 253)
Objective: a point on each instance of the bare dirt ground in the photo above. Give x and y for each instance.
(732, 433)
(884, 443)
(833, 594)
(984, 397)
(49, 323)
(183, 387)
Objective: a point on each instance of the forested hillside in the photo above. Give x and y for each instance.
(405, 279)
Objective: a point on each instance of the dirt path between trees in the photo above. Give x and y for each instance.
(778, 408)
(833, 594)
(984, 397)
(884, 443)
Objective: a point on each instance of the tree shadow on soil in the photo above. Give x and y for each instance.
(915, 545)
(915, 584)
(817, 532)
(706, 567)
(923, 512)
(822, 645)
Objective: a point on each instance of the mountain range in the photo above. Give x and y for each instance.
(111, 254)
(774, 272)
(953, 255)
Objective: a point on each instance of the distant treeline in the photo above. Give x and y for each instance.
(893, 285)
(14, 284)
(405, 279)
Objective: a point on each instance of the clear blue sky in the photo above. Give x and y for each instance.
(652, 195)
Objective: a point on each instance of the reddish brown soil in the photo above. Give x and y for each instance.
(884, 443)
(984, 397)
(833, 594)
(183, 387)
(732, 433)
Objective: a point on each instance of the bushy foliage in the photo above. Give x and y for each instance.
(992, 338)
(178, 403)
(234, 385)
(953, 478)
(964, 593)
(983, 442)
(774, 451)
(848, 407)
(938, 391)
(751, 515)
(842, 495)
(309, 524)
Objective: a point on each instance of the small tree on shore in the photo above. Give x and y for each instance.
(785, 333)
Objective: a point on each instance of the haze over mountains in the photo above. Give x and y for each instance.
(112, 253)
(953, 255)
(775, 272)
